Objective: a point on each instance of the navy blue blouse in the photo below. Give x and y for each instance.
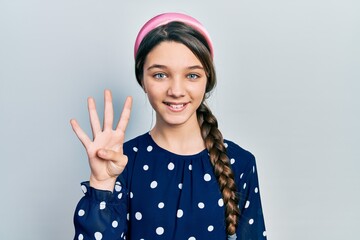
(162, 195)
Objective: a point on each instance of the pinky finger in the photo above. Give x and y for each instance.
(83, 137)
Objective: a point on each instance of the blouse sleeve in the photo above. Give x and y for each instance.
(251, 222)
(101, 214)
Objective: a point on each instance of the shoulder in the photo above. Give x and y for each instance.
(133, 145)
(133, 148)
(240, 158)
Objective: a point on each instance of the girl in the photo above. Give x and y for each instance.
(181, 180)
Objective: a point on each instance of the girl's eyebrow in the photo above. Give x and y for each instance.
(196, 67)
(165, 67)
(157, 66)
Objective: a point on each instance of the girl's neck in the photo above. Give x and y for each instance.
(178, 139)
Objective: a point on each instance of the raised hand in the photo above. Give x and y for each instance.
(105, 151)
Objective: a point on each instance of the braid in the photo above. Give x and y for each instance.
(214, 143)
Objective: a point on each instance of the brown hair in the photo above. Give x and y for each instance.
(214, 142)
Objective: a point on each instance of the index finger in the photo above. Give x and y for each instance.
(125, 115)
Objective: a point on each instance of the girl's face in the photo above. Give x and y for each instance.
(175, 82)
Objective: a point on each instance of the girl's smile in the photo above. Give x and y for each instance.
(176, 107)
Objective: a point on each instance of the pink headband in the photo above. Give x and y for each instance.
(165, 18)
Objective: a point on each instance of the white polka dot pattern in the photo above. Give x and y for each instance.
(221, 202)
(81, 212)
(98, 236)
(138, 216)
(83, 188)
(184, 186)
(171, 166)
(160, 231)
(102, 205)
(120, 195)
(207, 177)
(247, 204)
(179, 213)
(153, 184)
(149, 148)
(118, 188)
(115, 224)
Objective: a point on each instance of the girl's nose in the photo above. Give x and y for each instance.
(176, 88)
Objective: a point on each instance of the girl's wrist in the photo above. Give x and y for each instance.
(107, 184)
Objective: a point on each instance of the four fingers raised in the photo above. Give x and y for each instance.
(108, 118)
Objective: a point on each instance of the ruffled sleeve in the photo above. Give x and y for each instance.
(101, 214)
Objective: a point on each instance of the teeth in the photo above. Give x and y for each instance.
(176, 106)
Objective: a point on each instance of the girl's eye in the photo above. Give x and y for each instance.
(160, 75)
(192, 76)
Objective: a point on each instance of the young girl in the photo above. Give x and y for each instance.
(181, 180)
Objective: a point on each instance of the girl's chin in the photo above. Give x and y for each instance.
(184, 119)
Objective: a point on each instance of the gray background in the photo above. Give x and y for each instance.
(288, 91)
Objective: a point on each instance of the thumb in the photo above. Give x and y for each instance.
(110, 155)
(117, 161)
(106, 154)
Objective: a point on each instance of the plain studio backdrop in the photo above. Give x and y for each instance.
(288, 91)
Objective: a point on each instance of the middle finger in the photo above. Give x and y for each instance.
(108, 111)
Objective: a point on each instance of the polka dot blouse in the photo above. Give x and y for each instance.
(162, 195)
